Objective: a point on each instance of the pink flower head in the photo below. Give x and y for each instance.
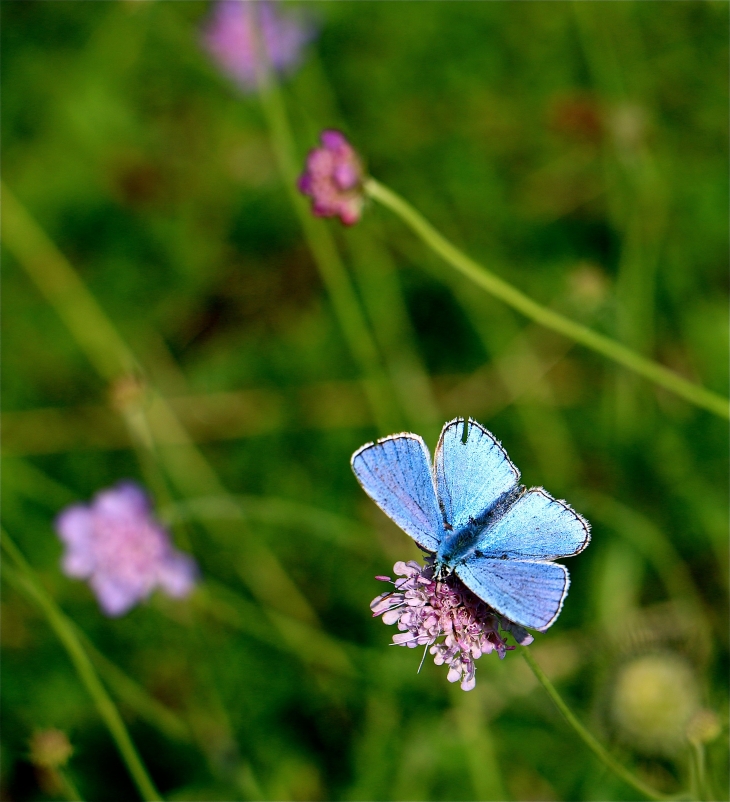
(118, 546)
(230, 38)
(333, 179)
(448, 617)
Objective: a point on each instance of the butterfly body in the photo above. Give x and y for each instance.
(471, 513)
(457, 544)
(454, 548)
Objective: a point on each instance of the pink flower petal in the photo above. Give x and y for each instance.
(114, 599)
(177, 575)
(425, 611)
(75, 528)
(118, 546)
(391, 617)
(333, 179)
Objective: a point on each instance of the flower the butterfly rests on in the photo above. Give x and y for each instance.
(491, 543)
(427, 609)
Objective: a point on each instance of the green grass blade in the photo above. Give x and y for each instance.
(695, 394)
(588, 739)
(66, 632)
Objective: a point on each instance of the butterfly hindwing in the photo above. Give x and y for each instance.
(396, 473)
(529, 593)
(537, 526)
(470, 476)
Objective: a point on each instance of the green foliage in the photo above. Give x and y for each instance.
(578, 150)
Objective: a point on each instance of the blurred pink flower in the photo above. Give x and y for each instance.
(229, 37)
(333, 179)
(118, 546)
(427, 610)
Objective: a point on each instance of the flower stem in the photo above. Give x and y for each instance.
(65, 291)
(123, 686)
(598, 750)
(499, 288)
(188, 469)
(69, 789)
(375, 273)
(332, 271)
(66, 633)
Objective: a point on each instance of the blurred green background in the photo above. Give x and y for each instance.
(578, 150)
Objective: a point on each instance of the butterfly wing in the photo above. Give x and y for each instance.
(470, 476)
(396, 473)
(536, 527)
(529, 593)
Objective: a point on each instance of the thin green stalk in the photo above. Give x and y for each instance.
(309, 643)
(188, 470)
(321, 243)
(706, 794)
(543, 424)
(69, 789)
(273, 512)
(65, 291)
(697, 771)
(151, 463)
(380, 290)
(136, 697)
(375, 272)
(186, 467)
(598, 750)
(510, 295)
(124, 687)
(637, 194)
(66, 633)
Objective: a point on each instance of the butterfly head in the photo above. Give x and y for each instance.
(442, 569)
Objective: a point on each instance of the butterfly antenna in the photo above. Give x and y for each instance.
(465, 430)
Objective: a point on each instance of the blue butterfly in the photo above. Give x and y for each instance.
(470, 511)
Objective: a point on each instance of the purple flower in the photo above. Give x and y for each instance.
(116, 543)
(333, 179)
(230, 38)
(448, 617)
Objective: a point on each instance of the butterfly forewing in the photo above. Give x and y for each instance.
(396, 473)
(528, 593)
(536, 526)
(471, 475)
